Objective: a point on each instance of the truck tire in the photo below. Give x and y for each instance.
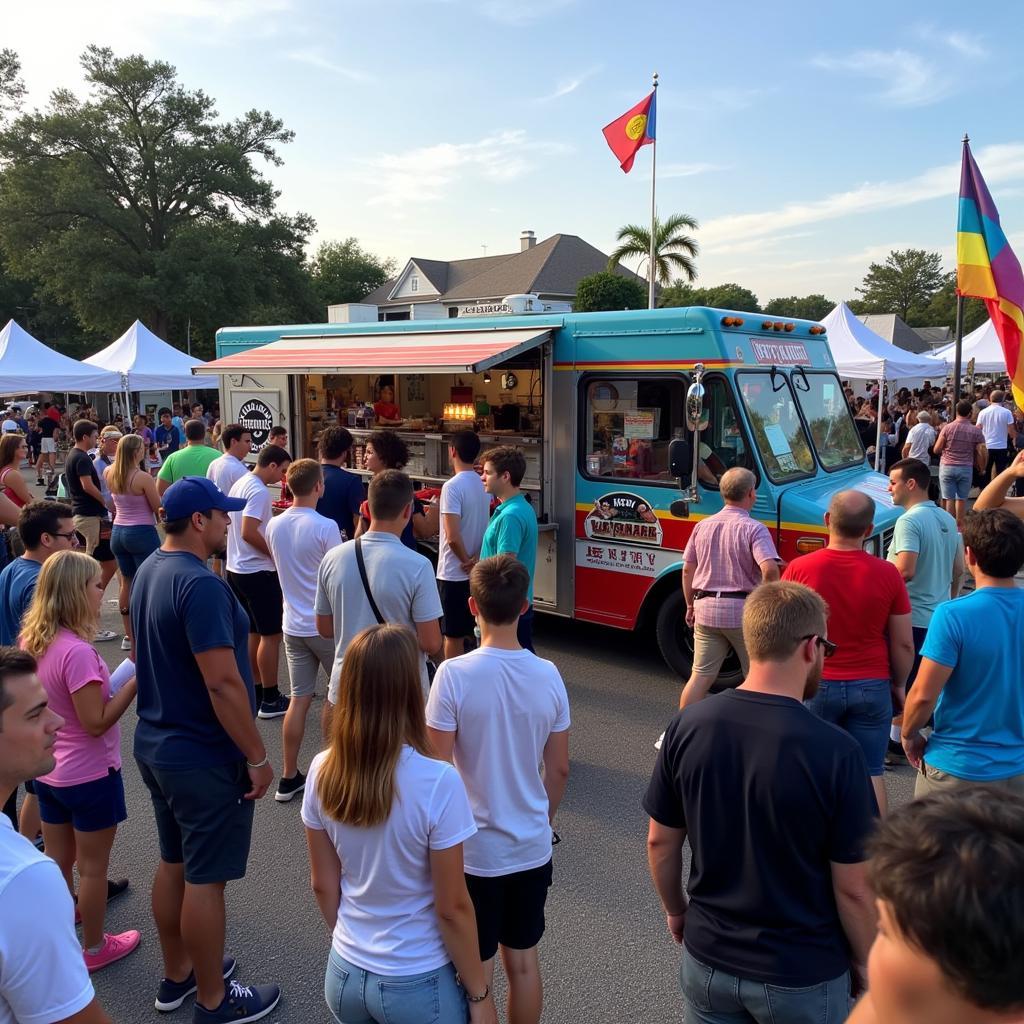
(675, 641)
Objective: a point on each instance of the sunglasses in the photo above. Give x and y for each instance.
(827, 646)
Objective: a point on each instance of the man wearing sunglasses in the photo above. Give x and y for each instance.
(777, 806)
(869, 617)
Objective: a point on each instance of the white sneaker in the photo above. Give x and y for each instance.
(126, 644)
(658, 742)
(104, 634)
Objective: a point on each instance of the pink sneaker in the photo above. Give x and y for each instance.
(115, 947)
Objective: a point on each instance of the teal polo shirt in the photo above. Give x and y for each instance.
(513, 531)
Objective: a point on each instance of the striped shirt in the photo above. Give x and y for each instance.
(728, 549)
(961, 437)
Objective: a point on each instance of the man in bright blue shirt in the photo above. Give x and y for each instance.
(513, 527)
(970, 670)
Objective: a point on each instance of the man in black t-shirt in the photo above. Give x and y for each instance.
(777, 805)
(84, 485)
(48, 429)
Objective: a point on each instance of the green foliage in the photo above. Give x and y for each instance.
(720, 296)
(807, 307)
(606, 290)
(12, 88)
(905, 284)
(673, 250)
(344, 272)
(941, 310)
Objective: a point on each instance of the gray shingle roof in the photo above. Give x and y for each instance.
(895, 331)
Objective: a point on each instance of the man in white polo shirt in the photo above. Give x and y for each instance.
(996, 422)
(299, 539)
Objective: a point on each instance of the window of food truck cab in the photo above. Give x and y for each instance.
(827, 413)
(778, 431)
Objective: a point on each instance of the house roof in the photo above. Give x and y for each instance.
(896, 331)
(551, 267)
(934, 336)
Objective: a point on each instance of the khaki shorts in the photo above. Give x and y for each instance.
(711, 647)
(305, 656)
(936, 781)
(89, 528)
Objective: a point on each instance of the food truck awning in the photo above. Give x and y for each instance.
(402, 352)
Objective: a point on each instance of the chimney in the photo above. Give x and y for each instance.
(527, 240)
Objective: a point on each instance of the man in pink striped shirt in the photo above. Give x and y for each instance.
(961, 449)
(727, 555)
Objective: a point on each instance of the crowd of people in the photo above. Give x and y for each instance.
(429, 811)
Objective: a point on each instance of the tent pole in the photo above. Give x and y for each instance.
(959, 350)
(878, 433)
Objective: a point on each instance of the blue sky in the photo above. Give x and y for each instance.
(807, 138)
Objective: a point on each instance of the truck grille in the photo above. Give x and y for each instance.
(887, 536)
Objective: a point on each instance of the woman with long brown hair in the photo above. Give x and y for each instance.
(404, 930)
(13, 450)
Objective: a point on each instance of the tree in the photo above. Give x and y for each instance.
(941, 310)
(673, 251)
(12, 88)
(809, 307)
(344, 272)
(719, 296)
(104, 202)
(905, 283)
(605, 290)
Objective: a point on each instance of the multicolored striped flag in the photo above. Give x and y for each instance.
(986, 268)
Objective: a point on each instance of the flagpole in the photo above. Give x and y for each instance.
(654, 216)
(959, 344)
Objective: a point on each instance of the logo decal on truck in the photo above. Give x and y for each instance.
(782, 353)
(257, 417)
(621, 516)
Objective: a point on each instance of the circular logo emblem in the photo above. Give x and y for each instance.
(635, 127)
(257, 417)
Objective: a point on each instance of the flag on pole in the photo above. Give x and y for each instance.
(626, 134)
(986, 268)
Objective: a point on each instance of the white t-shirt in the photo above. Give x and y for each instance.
(387, 922)
(42, 973)
(299, 539)
(993, 421)
(463, 496)
(503, 705)
(226, 471)
(401, 581)
(243, 557)
(921, 437)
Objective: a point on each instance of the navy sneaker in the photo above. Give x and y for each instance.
(288, 788)
(241, 1003)
(274, 708)
(171, 994)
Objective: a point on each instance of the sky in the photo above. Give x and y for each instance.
(808, 139)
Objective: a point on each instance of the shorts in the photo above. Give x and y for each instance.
(260, 595)
(48, 445)
(132, 545)
(305, 656)
(458, 620)
(861, 707)
(202, 819)
(711, 646)
(920, 632)
(955, 482)
(89, 528)
(510, 908)
(87, 807)
(934, 780)
(103, 552)
(524, 630)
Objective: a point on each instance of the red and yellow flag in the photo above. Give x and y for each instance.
(626, 134)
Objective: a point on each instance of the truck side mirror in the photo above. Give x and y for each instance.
(680, 460)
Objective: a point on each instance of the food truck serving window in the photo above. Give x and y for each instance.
(627, 426)
(778, 433)
(827, 413)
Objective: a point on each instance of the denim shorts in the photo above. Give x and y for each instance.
(87, 807)
(131, 546)
(355, 996)
(955, 482)
(863, 708)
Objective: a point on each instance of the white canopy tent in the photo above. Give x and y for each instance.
(860, 354)
(28, 366)
(981, 345)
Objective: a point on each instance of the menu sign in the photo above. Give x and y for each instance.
(780, 353)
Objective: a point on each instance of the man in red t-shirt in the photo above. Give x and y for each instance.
(864, 681)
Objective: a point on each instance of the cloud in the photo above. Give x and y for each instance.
(1002, 163)
(964, 44)
(522, 12)
(425, 174)
(910, 80)
(687, 170)
(315, 59)
(569, 85)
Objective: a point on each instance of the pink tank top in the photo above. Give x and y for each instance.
(132, 509)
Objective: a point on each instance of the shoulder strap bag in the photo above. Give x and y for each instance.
(366, 583)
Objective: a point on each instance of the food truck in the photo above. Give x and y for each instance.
(627, 420)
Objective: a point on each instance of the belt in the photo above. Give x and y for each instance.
(698, 594)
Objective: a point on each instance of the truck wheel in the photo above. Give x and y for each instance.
(675, 641)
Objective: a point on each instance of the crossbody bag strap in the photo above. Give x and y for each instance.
(366, 583)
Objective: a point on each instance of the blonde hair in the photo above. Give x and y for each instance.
(126, 460)
(379, 710)
(775, 617)
(60, 601)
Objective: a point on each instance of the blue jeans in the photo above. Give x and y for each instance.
(955, 482)
(132, 545)
(712, 996)
(863, 707)
(355, 996)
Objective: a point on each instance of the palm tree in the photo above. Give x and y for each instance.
(673, 251)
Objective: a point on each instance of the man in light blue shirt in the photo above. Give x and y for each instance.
(513, 527)
(970, 670)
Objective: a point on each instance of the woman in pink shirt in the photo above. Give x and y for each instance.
(81, 801)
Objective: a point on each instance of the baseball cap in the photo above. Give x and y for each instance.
(197, 494)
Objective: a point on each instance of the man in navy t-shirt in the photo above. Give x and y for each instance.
(777, 805)
(197, 745)
(343, 491)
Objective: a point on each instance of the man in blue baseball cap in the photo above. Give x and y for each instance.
(198, 750)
